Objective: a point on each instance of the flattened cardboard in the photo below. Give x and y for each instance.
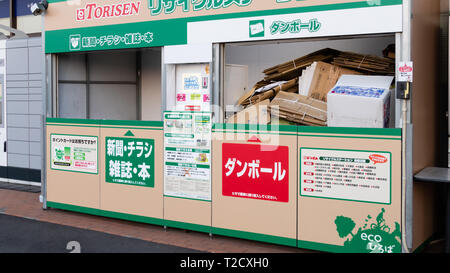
(299, 108)
(255, 114)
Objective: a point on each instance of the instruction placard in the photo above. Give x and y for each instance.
(130, 161)
(74, 153)
(363, 176)
(187, 155)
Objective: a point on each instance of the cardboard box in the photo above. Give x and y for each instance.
(255, 114)
(277, 120)
(300, 109)
(317, 79)
(262, 92)
(360, 101)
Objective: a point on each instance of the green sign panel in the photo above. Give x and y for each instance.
(131, 35)
(107, 25)
(130, 161)
(256, 28)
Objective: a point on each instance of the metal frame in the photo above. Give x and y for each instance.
(3, 93)
(163, 84)
(407, 137)
(45, 81)
(138, 85)
(3, 101)
(216, 84)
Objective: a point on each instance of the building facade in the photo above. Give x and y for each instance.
(21, 66)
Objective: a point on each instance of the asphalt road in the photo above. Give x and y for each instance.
(20, 235)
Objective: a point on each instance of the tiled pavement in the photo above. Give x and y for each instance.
(26, 204)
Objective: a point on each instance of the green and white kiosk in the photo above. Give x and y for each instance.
(138, 92)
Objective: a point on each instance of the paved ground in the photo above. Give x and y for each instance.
(20, 235)
(26, 205)
(24, 202)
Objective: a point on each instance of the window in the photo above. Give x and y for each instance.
(100, 85)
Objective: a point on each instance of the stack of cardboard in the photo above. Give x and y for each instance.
(269, 91)
(298, 89)
(365, 63)
(294, 68)
(255, 114)
(299, 109)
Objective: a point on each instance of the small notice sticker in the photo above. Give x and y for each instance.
(405, 72)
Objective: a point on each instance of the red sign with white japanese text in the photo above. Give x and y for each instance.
(255, 171)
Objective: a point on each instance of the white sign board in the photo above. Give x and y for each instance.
(74, 153)
(187, 155)
(298, 25)
(363, 176)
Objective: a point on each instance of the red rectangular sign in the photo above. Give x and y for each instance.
(255, 171)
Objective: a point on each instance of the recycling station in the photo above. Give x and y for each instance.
(139, 96)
